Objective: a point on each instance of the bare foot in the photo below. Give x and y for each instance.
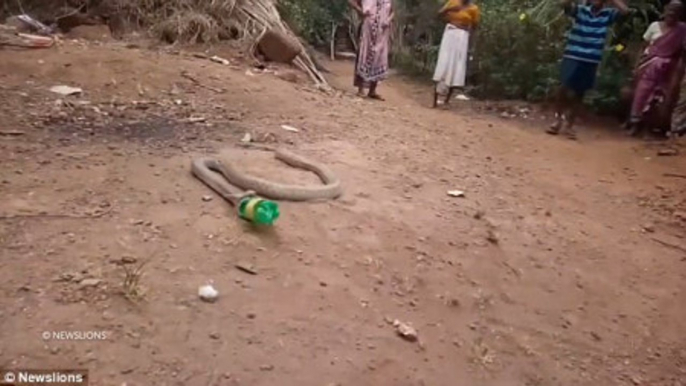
(554, 129)
(375, 96)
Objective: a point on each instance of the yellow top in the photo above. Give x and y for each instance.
(469, 16)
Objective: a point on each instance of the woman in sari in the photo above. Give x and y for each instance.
(656, 87)
(371, 64)
(462, 18)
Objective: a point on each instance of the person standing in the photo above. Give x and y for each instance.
(462, 18)
(371, 64)
(583, 53)
(660, 68)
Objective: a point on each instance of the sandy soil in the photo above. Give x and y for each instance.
(564, 264)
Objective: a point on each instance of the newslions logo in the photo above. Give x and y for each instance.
(75, 335)
(44, 377)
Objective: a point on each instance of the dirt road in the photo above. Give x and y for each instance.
(564, 264)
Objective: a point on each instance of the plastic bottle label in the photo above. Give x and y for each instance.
(250, 208)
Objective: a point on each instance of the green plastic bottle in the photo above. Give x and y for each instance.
(258, 210)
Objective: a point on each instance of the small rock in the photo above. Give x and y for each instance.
(492, 237)
(323, 284)
(215, 335)
(405, 330)
(66, 90)
(251, 315)
(290, 128)
(208, 294)
(267, 367)
(455, 193)
(649, 228)
(220, 60)
(90, 283)
(207, 198)
(596, 336)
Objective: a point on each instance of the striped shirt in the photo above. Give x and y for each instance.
(586, 39)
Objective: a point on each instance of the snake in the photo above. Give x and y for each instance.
(234, 185)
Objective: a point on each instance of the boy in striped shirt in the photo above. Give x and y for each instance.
(584, 51)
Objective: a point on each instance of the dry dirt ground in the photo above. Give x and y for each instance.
(564, 264)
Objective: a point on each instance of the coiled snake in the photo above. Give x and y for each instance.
(233, 185)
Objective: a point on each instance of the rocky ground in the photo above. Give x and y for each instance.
(563, 264)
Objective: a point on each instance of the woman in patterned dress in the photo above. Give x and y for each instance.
(371, 65)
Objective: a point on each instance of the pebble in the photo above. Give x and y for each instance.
(406, 331)
(90, 283)
(267, 367)
(207, 198)
(215, 335)
(207, 293)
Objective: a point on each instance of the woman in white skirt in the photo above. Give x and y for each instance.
(462, 18)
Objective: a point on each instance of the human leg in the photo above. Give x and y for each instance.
(561, 105)
(574, 108)
(642, 95)
(372, 91)
(449, 95)
(577, 78)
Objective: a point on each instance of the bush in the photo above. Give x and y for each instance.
(313, 20)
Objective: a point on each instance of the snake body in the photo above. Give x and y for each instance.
(233, 185)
